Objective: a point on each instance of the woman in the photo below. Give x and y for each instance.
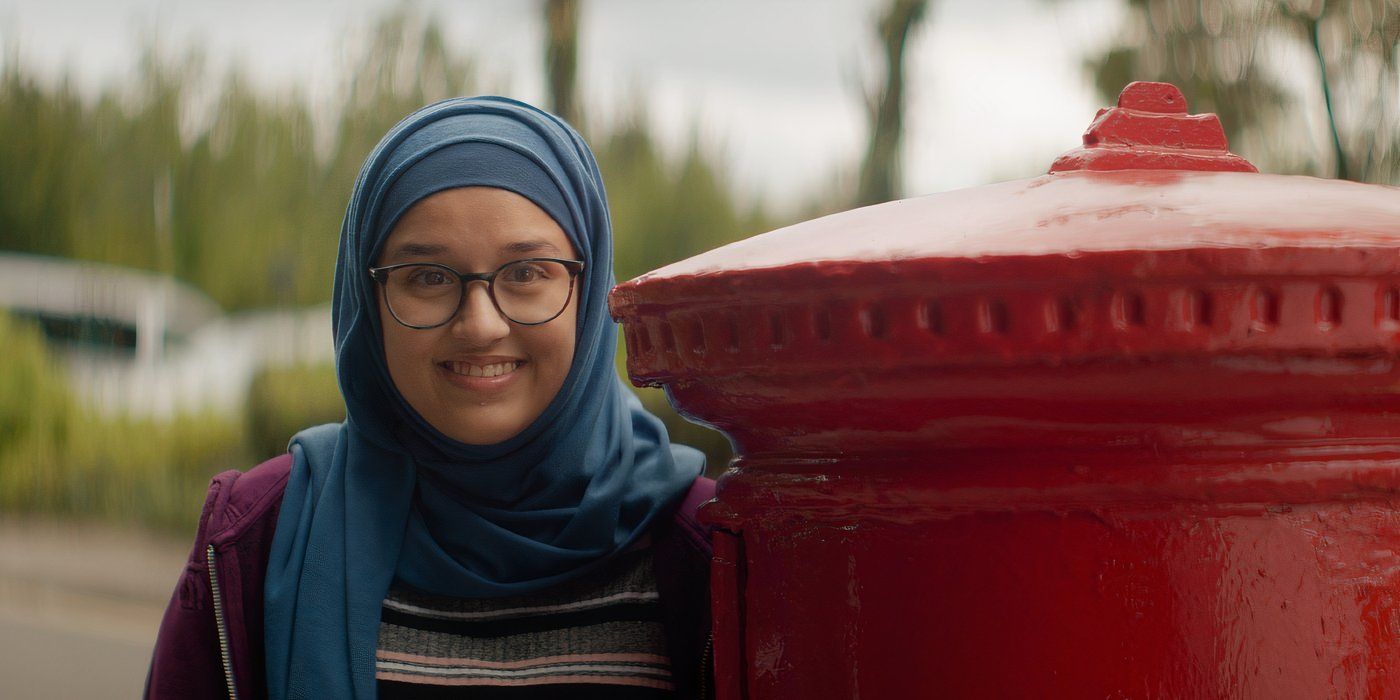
(497, 516)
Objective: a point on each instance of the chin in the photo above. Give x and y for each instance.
(476, 435)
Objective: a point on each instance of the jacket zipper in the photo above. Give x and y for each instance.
(705, 664)
(223, 628)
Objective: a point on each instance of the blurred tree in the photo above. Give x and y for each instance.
(407, 65)
(1271, 70)
(284, 400)
(37, 197)
(253, 185)
(561, 58)
(246, 203)
(213, 179)
(666, 209)
(880, 172)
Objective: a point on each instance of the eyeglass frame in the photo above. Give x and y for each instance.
(381, 275)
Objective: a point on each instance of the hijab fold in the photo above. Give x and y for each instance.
(385, 496)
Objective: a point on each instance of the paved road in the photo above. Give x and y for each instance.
(46, 662)
(79, 607)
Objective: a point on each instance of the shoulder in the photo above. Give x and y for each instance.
(683, 537)
(702, 491)
(239, 519)
(687, 515)
(241, 501)
(681, 557)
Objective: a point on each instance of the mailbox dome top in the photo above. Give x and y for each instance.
(1148, 177)
(1150, 129)
(1074, 213)
(1150, 239)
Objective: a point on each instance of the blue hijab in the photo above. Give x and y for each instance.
(386, 496)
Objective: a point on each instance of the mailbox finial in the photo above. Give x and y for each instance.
(1151, 130)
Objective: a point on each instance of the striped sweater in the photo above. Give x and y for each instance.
(597, 636)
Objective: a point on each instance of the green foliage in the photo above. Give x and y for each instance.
(39, 172)
(58, 458)
(283, 401)
(152, 472)
(34, 404)
(407, 65)
(665, 209)
(237, 202)
(240, 204)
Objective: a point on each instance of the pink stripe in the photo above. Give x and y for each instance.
(545, 680)
(527, 663)
(589, 604)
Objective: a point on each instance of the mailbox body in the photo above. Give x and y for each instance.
(1110, 432)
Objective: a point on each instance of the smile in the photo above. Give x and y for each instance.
(496, 369)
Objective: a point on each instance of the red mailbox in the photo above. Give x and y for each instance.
(1127, 429)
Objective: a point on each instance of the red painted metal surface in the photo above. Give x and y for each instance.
(1150, 129)
(1128, 429)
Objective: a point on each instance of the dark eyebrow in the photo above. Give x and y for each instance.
(417, 250)
(432, 250)
(531, 247)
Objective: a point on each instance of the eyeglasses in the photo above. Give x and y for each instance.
(528, 292)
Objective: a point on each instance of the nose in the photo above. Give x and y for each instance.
(478, 321)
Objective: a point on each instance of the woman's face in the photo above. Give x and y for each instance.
(446, 373)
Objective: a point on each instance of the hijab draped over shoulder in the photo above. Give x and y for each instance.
(385, 496)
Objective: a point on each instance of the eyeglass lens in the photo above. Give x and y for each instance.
(527, 291)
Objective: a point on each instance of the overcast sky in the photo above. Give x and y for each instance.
(996, 87)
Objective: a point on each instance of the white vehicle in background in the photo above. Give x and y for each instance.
(142, 343)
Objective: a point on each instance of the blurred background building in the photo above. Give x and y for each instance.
(134, 342)
(173, 175)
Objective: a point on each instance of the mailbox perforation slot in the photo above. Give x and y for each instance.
(1264, 309)
(930, 317)
(993, 317)
(777, 329)
(1060, 315)
(1329, 307)
(696, 330)
(1200, 309)
(872, 322)
(1390, 306)
(821, 324)
(641, 337)
(1129, 310)
(668, 338)
(1190, 312)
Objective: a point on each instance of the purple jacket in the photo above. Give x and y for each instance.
(211, 639)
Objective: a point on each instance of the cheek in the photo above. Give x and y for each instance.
(560, 343)
(403, 352)
(393, 339)
(565, 356)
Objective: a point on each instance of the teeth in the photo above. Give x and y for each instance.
(492, 370)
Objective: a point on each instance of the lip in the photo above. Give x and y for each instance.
(481, 384)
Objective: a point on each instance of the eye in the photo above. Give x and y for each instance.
(525, 273)
(428, 277)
